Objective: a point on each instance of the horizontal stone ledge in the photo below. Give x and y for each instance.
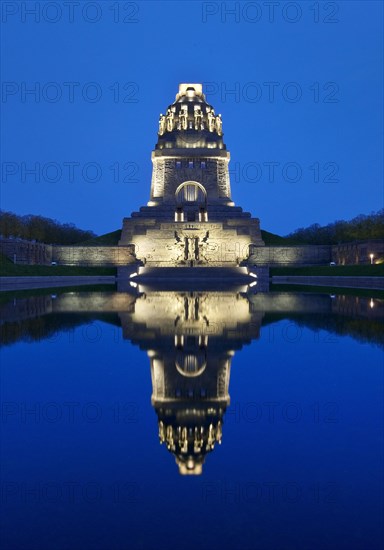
(172, 153)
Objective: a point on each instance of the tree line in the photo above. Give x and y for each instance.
(362, 227)
(47, 230)
(41, 229)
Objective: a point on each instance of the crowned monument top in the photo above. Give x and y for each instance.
(187, 118)
(190, 90)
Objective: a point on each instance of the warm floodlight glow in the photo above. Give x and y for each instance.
(253, 284)
(371, 303)
(371, 256)
(198, 88)
(132, 283)
(252, 274)
(191, 179)
(133, 275)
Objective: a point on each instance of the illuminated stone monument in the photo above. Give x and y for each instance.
(190, 219)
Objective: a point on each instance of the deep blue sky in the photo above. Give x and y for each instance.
(164, 43)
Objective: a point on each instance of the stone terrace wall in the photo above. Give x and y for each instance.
(93, 255)
(26, 252)
(291, 255)
(29, 253)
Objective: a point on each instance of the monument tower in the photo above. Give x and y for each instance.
(190, 219)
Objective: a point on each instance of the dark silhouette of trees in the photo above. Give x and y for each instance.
(362, 227)
(38, 228)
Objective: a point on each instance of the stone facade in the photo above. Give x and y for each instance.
(291, 255)
(190, 219)
(216, 252)
(93, 255)
(26, 252)
(29, 253)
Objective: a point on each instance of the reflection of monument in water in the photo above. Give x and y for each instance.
(190, 338)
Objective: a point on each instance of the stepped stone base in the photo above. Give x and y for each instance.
(169, 244)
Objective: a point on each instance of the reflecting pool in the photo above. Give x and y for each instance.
(227, 418)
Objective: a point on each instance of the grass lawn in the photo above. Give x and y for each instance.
(335, 270)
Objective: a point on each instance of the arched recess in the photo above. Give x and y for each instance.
(191, 201)
(191, 364)
(191, 192)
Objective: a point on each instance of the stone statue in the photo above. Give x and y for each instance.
(176, 249)
(198, 118)
(169, 438)
(186, 248)
(219, 125)
(198, 440)
(162, 123)
(197, 250)
(183, 441)
(211, 121)
(183, 116)
(205, 248)
(170, 120)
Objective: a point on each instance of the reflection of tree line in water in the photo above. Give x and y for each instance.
(361, 329)
(38, 323)
(49, 326)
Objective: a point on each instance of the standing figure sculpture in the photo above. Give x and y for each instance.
(211, 121)
(197, 250)
(170, 120)
(219, 125)
(186, 248)
(183, 117)
(162, 124)
(198, 118)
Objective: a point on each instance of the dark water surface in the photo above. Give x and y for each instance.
(93, 382)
